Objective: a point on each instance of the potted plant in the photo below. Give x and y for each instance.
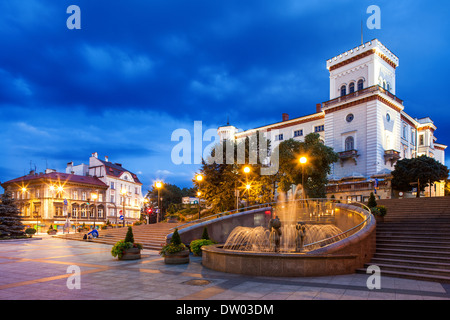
(51, 231)
(127, 249)
(172, 218)
(175, 252)
(30, 232)
(378, 211)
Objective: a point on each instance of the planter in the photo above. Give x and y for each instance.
(177, 257)
(131, 254)
(51, 232)
(172, 220)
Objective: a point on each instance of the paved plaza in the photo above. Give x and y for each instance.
(46, 269)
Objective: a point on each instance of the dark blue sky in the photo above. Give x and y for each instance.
(138, 70)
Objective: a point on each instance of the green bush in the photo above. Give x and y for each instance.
(129, 236)
(174, 246)
(196, 245)
(382, 210)
(205, 234)
(372, 201)
(30, 231)
(119, 248)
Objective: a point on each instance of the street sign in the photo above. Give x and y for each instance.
(121, 217)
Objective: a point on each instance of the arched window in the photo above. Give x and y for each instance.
(349, 143)
(343, 90)
(360, 84)
(351, 87)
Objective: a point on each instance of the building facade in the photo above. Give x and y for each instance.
(124, 194)
(363, 121)
(90, 194)
(52, 198)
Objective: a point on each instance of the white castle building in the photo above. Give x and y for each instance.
(364, 122)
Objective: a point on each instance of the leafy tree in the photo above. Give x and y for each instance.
(10, 221)
(223, 176)
(170, 194)
(421, 171)
(318, 166)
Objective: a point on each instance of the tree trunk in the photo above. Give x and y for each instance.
(418, 189)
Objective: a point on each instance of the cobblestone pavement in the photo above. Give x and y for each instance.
(45, 269)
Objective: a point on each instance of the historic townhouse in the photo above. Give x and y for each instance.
(124, 194)
(51, 198)
(364, 122)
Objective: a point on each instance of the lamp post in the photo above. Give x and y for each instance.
(247, 170)
(158, 185)
(303, 161)
(123, 192)
(94, 196)
(199, 179)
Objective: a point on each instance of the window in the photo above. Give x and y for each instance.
(413, 137)
(279, 137)
(349, 143)
(421, 140)
(318, 128)
(349, 117)
(351, 87)
(343, 90)
(112, 185)
(75, 195)
(112, 198)
(298, 133)
(388, 117)
(405, 131)
(74, 211)
(83, 196)
(360, 84)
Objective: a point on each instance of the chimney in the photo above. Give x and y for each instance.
(318, 107)
(118, 164)
(106, 159)
(95, 155)
(285, 117)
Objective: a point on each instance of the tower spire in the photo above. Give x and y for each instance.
(362, 41)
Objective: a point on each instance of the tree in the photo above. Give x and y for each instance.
(170, 194)
(223, 174)
(10, 221)
(318, 166)
(129, 237)
(421, 171)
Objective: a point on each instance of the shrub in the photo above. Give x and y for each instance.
(129, 237)
(372, 201)
(30, 231)
(174, 246)
(205, 234)
(119, 248)
(196, 245)
(382, 210)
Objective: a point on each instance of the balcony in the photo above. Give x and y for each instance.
(392, 156)
(363, 92)
(348, 154)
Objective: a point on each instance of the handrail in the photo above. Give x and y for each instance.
(344, 232)
(267, 204)
(218, 215)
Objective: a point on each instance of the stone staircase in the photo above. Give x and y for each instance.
(151, 236)
(414, 239)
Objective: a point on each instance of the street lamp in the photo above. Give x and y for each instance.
(94, 196)
(247, 186)
(158, 185)
(199, 179)
(123, 192)
(303, 161)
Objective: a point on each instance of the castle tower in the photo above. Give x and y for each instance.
(363, 115)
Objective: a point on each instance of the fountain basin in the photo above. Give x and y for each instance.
(341, 257)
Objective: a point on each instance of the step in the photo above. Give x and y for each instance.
(424, 253)
(408, 275)
(416, 242)
(412, 269)
(411, 263)
(386, 255)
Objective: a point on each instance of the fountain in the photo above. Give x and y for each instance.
(302, 238)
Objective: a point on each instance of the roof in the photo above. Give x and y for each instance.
(116, 170)
(59, 176)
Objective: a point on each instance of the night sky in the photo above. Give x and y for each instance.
(138, 70)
